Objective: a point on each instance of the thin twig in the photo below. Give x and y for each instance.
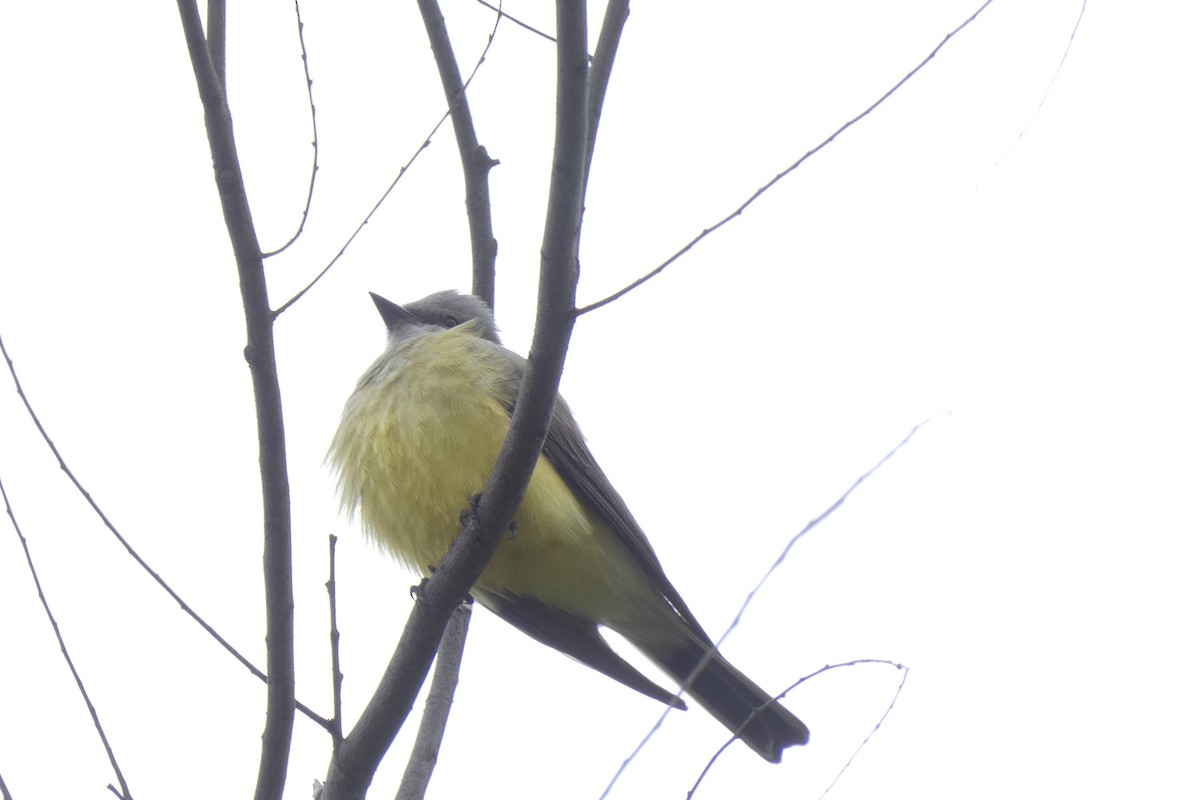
(878, 724)
(476, 162)
(425, 750)
(354, 763)
(312, 109)
(767, 186)
(62, 645)
(828, 667)
(335, 639)
(516, 21)
(378, 203)
(141, 562)
(737, 618)
(753, 592)
(268, 406)
(1053, 79)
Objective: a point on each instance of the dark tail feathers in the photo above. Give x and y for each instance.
(734, 700)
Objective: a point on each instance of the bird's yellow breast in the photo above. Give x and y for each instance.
(420, 436)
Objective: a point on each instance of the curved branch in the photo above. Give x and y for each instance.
(791, 168)
(312, 115)
(260, 355)
(378, 203)
(787, 548)
(602, 64)
(475, 159)
(828, 667)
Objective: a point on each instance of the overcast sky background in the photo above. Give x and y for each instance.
(1025, 277)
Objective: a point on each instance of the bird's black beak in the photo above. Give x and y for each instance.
(392, 314)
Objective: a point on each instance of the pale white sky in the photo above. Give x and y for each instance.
(1031, 555)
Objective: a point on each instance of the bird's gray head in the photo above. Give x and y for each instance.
(438, 311)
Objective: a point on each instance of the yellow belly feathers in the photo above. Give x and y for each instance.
(419, 437)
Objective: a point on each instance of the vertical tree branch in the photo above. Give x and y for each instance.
(260, 355)
(353, 765)
(216, 38)
(335, 639)
(437, 707)
(475, 159)
(602, 64)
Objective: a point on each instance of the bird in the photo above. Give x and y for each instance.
(417, 440)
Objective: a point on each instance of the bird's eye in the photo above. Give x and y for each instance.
(449, 321)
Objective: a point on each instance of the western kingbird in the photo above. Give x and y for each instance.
(420, 435)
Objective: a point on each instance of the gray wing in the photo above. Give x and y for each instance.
(566, 449)
(578, 638)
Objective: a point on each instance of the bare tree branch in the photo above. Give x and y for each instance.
(429, 138)
(216, 38)
(260, 355)
(353, 765)
(437, 707)
(878, 724)
(795, 164)
(516, 21)
(312, 115)
(601, 70)
(1050, 85)
(475, 159)
(827, 668)
(141, 562)
(335, 638)
(62, 645)
(814, 522)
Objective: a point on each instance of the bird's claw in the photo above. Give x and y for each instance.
(468, 513)
(415, 592)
